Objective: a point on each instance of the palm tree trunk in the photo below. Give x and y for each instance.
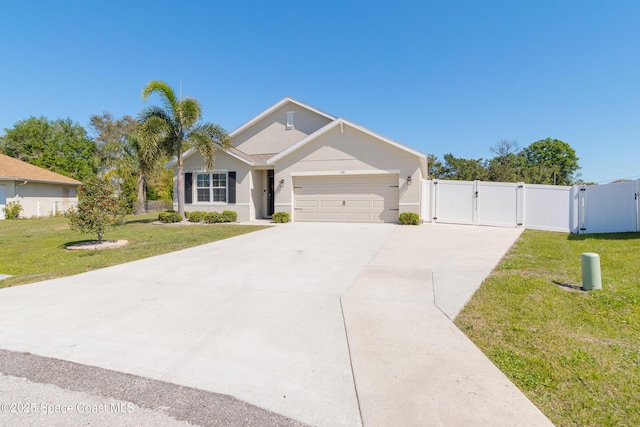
(142, 196)
(180, 183)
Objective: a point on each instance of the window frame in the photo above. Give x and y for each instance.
(210, 187)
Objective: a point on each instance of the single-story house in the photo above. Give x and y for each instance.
(317, 167)
(40, 192)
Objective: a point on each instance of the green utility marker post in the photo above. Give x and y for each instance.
(591, 277)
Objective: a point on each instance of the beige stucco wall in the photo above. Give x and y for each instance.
(350, 150)
(224, 163)
(270, 135)
(41, 199)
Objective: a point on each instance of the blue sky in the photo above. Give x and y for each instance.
(440, 76)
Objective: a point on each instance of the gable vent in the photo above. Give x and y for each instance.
(290, 124)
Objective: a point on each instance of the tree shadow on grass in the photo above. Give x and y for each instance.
(604, 236)
(142, 221)
(76, 242)
(568, 286)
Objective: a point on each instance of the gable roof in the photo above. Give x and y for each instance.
(342, 122)
(273, 108)
(16, 170)
(270, 159)
(259, 158)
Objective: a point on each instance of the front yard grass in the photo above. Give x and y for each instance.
(575, 354)
(34, 249)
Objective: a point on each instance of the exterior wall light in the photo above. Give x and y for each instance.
(409, 180)
(281, 182)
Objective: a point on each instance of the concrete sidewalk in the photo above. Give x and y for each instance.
(265, 317)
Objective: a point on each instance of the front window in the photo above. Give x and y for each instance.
(211, 187)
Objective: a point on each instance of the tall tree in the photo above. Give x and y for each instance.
(550, 161)
(458, 168)
(508, 163)
(176, 127)
(123, 159)
(110, 136)
(59, 145)
(436, 169)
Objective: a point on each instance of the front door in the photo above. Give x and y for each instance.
(270, 193)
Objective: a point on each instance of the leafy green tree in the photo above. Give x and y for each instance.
(436, 169)
(123, 158)
(99, 208)
(110, 137)
(176, 127)
(60, 146)
(457, 168)
(550, 161)
(508, 163)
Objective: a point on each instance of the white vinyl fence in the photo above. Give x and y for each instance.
(578, 209)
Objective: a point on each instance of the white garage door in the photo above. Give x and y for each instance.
(356, 198)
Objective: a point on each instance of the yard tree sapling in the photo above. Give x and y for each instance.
(98, 210)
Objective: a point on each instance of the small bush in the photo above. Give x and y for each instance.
(12, 210)
(212, 217)
(229, 216)
(169, 217)
(196, 216)
(281, 217)
(409, 218)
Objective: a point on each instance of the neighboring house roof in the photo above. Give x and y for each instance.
(271, 158)
(12, 169)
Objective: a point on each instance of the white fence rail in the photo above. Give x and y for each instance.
(578, 209)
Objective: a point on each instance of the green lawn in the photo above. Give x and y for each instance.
(34, 249)
(575, 354)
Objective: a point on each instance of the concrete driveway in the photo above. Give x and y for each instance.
(327, 324)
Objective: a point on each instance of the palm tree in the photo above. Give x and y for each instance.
(139, 161)
(176, 127)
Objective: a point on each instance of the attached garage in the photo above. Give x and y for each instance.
(346, 198)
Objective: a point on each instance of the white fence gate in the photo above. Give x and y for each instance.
(609, 208)
(593, 209)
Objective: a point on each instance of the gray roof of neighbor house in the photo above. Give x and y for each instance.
(16, 170)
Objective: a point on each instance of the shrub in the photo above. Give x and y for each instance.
(229, 216)
(12, 210)
(212, 217)
(98, 210)
(281, 217)
(409, 218)
(169, 217)
(195, 216)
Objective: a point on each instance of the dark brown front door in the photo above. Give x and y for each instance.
(270, 194)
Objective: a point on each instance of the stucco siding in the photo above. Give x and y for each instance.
(270, 135)
(224, 163)
(349, 151)
(40, 199)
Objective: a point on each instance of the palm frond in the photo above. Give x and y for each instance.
(217, 133)
(207, 137)
(162, 89)
(189, 112)
(155, 111)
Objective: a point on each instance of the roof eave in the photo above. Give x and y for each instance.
(43, 181)
(341, 121)
(172, 163)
